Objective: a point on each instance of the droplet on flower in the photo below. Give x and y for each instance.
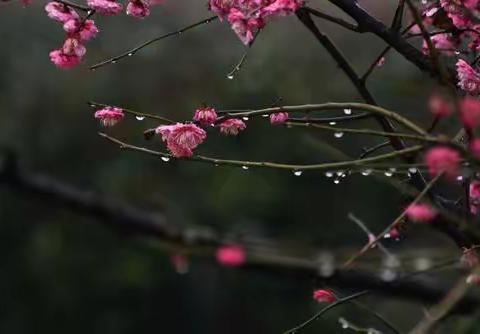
(140, 118)
(338, 134)
(347, 111)
(298, 173)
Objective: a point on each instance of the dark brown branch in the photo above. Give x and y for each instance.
(138, 222)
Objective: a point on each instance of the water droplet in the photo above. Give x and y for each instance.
(245, 167)
(457, 52)
(340, 172)
(245, 118)
(297, 173)
(265, 115)
(366, 172)
(140, 118)
(347, 111)
(113, 61)
(388, 173)
(130, 54)
(336, 181)
(338, 134)
(333, 123)
(230, 76)
(460, 178)
(412, 170)
(329, 174)
(165, 159)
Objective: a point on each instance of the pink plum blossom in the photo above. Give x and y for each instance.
(205, 116)
(468, 77)
(278, 118)
(181, 138)
(109, 116)
(84, 30)
(138, 8)
(60, 12)
(105, 7)
(474, 194)
(232, 126)
(231, 256)
(439, 107)
(69, 55)
(324, 296)
(422, 213)
(470, 112)
(475, 148)
(443, 159)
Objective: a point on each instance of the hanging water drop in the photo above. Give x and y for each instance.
(297, 173)
(336, 181)
(245, 118)
(230, 76)
(140, 118)
(366, 172)
(347, 111)
(113, 61)
(245, 167)
(329, 174)
(130, 54)
(165, 159)
(338, 135)
(265, 115)
(333, 123)
(412, 170)
(388, 173)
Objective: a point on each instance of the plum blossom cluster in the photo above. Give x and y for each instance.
(458, 18)
(80, 29)
(248, 16)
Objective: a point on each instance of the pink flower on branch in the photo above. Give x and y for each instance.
(324, 296)
(421, 213)
(181, 138)
(138, 8)
(109, 116)
(470, 112)
(443, 159)
(105, 7)
(231, 256)
(468, 77)
(278, 118)
(474, 194)
(439, 107)
(85, 30)
(70, 55)
(232, 126)
(60, 12)
(205, 116)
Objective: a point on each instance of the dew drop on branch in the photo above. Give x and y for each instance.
(165, 159)
(245, 118)
(329, 174)
(297, 172)
(333, 123)
(338, 135)
(366, 172)
(230, 76)
(347, 111)
(140, 118)
(336, 181)
(245, 167)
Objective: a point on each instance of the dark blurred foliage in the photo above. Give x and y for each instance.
(65, 273)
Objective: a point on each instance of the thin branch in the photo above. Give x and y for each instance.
(325, 310)
(274, 165)
(370, 150)
(336, 20)
(242, 60)
(134, 50)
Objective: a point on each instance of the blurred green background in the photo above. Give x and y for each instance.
(61, 272)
